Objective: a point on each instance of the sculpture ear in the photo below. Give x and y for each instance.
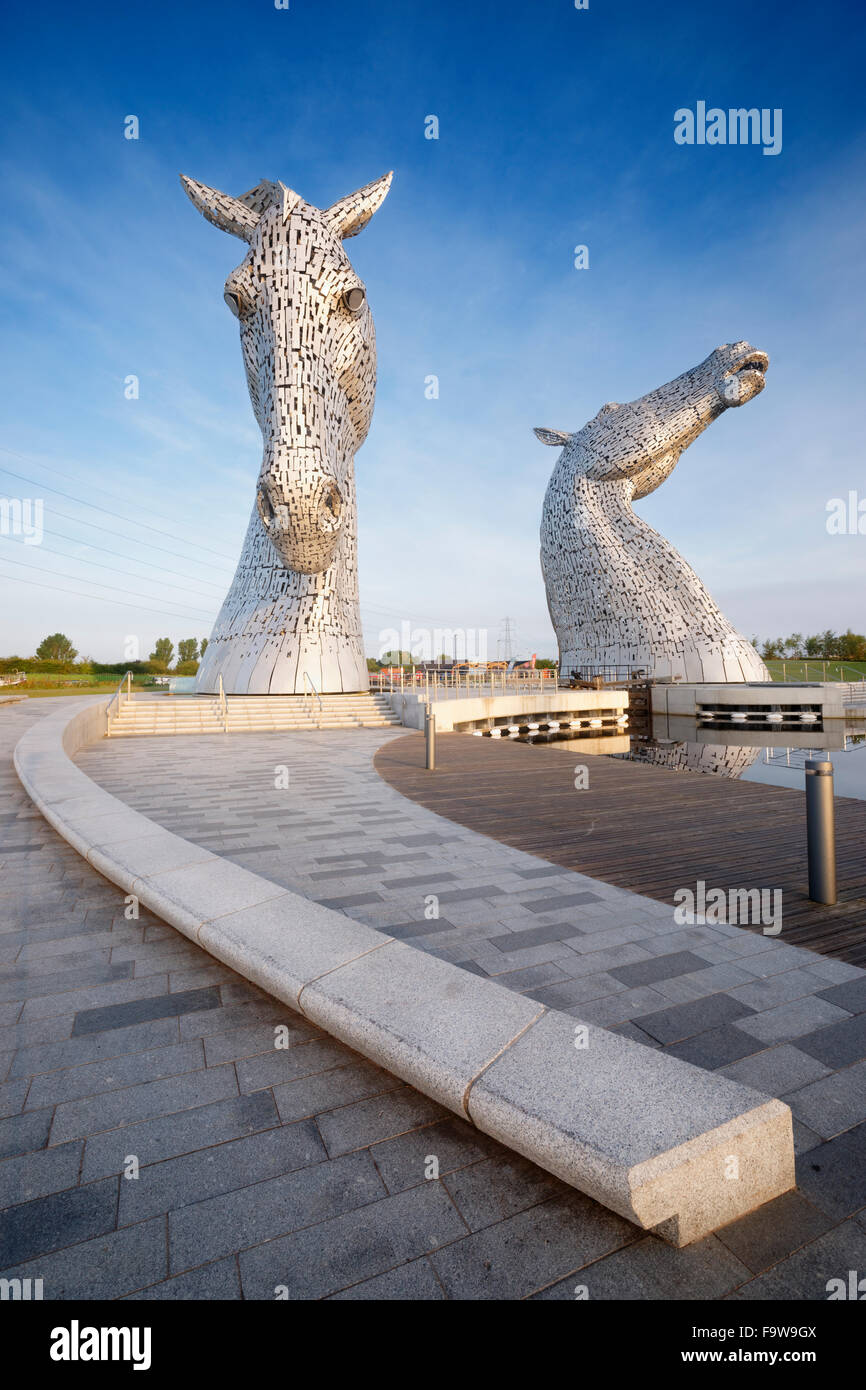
(350, 215)
(229, 214)
(557, 439)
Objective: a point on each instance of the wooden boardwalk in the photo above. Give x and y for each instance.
(644, 828)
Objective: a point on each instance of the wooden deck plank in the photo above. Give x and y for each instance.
(642, 827)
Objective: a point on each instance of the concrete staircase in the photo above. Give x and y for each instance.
(204, 714)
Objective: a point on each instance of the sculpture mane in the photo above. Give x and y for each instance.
(619, 594)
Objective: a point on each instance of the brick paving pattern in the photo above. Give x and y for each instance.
(300, 1171)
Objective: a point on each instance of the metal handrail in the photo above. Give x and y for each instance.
(313, 691)
(224, 707)
(117, 696)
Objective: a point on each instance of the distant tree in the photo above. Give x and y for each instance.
(772, 649)
(852, 646)
(163, 651)
(397, 658)
(373, 664)
(57, 647)
(544, 663)
(203, 646)
(813, 645)
(187, 650)
(186, 668)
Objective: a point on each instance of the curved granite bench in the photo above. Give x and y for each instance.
(675, 1149)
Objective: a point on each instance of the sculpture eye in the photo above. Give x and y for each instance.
(354, 299)
(233, 301)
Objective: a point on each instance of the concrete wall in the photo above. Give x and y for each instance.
(409, 706)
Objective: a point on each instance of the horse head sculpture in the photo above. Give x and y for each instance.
(309, 351)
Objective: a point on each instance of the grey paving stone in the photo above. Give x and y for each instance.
(533, 936)
(631, 1030)
(777, 989)
(219, 1281)
(77, 1119)
(100, 996)
(168, 1136)
(839, 1044)
(499, 1187)
(77, 1082)
(850, 996)
(345, 1250)
(833, 1174)
(804, 1139)
(791, 1020)
(232, 1016)
(288, 1064)
(221, 1225)
(461, 895)
(403, 1161)
(12, 1096)
(833, 1104)
(143, 1010)
(774, 1231)
(648, 972)
(33, 1175)
(23, 1133)
(776, 1070)
(715, 1048)
(432, 876)
(31, 983)
(179, 1182)
(351, 900)
(649, 1270)
(63, 1218)
(562, 901)
(329, 1090)
(684, 1020)
(514, 1258)
(256, 1038)
(73, 1052)
(406, 931)
(106, 1267)
(414, 1282)
(380, 1117)
(805, 1275)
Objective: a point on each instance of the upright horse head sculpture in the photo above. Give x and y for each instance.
(619, 594)
(309, 351)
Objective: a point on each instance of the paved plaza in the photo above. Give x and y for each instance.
(302, 1171)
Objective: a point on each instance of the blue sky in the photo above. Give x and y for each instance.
(556, 129)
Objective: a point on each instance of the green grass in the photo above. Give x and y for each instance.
(816, 670)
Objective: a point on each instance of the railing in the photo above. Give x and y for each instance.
(797, 668)
(224, 706)
(117, 700)
(443, 684)
(313, 692)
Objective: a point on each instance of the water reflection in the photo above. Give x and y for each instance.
(681, 755)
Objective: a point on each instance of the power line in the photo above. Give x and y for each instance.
(49, 550)
(97, 598)
(111, 531)
(202, 617)
(93, 507)
(37, 463)
(103, 550)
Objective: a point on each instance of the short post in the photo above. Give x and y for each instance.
(820, 831)
(430, 736)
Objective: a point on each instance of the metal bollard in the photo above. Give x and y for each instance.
(430, 736)
(820, 831)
